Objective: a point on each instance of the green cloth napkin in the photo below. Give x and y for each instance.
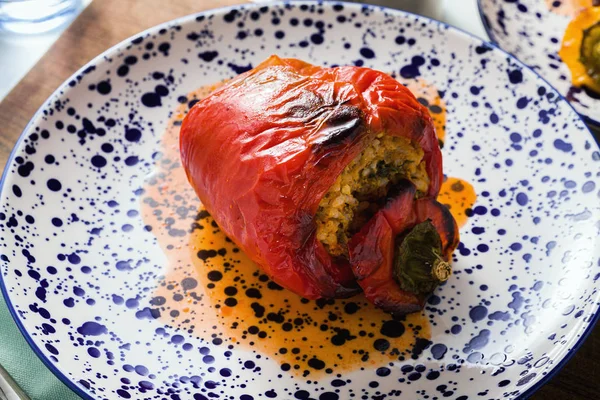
(24, 366)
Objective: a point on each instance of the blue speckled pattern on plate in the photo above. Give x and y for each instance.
(80, 265)
(533, 33)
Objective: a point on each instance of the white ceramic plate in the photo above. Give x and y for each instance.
(116, 278)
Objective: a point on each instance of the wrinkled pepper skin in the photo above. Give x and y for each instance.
(263, 150)
(372, 248)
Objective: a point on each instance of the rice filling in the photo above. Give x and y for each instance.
(358, 191)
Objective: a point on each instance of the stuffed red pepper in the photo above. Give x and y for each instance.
(310, 170)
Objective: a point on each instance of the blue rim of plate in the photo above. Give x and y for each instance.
(79, 391)
(488, 29)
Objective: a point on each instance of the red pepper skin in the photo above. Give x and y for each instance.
(372, 248)
(263, 150)
(442, 220)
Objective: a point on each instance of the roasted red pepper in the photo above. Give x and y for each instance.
(373, 249)
(262, 151)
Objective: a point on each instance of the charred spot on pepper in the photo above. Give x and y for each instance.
(403, 186)
(307, 106)
(398, 308)
(342, 125)
(449, 228)
(419, 125)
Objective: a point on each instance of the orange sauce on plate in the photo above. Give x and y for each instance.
(213, 291)
(459, 196)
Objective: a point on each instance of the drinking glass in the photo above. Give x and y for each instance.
(35, 16)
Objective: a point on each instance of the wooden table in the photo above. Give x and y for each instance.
(107, 22)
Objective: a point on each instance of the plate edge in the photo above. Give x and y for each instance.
(488, 29)
(184, 19)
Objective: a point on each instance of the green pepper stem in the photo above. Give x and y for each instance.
(419, 266)
(441, 269)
